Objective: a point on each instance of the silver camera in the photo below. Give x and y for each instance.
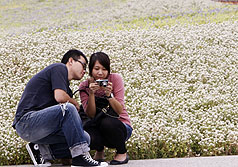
(102, 82)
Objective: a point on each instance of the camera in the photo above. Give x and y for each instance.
(102, 82)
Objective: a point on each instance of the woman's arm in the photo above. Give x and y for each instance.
(116, 105)
(91, 106)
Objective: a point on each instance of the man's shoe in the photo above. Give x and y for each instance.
(36, 157)
(115, 162)
(86, 160)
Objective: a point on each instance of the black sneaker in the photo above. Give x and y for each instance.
(86, 160)
(36, 157)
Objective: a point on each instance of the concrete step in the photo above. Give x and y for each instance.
(214, 161)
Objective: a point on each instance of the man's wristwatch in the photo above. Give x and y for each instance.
(110, 96)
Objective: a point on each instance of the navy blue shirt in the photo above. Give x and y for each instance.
(39, 91)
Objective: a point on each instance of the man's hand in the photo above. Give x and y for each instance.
(62, 97)
(74, 102)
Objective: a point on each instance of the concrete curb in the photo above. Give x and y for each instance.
(214, 161)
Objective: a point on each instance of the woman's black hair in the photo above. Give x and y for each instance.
(75, 54)
(102, 58)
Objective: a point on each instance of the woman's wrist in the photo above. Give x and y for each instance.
(91, 92)
(110, 96)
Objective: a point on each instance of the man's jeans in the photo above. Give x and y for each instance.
(59, 126)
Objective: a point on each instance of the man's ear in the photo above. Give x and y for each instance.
(70, 61)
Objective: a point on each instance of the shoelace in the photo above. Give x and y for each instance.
(40, 159)
(88, 157)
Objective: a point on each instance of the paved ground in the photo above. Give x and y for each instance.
(218, 161)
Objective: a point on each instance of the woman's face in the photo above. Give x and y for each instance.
(99, 72)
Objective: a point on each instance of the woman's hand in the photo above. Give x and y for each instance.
(93, 86)
(108, 89)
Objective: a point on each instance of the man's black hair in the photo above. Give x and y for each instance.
(75, 54)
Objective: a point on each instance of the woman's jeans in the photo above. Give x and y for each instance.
(59, 127)
(128, 130)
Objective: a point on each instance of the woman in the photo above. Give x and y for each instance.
(111, 132)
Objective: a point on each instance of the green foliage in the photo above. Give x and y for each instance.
(179, 68)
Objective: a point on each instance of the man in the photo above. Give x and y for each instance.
(48, 115)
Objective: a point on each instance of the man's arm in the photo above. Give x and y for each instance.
(62, 97)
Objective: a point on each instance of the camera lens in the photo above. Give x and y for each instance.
(104, 84)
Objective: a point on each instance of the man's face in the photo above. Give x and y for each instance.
(79, 68)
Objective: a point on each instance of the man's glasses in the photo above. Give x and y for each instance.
(83, 64)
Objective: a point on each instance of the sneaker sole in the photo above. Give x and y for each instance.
(102, 165)
(43, 165)
(31, 155)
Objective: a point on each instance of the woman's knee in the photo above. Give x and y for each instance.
(111, 124)
(107, 123)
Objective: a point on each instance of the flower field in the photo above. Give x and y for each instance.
(178, 59)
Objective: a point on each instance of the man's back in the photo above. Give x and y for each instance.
(39, 91)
